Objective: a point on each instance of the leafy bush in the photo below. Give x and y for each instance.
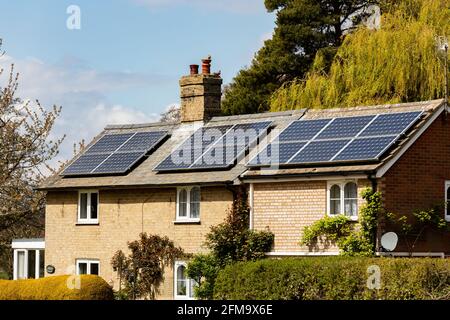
(334, 278)
(56, 288)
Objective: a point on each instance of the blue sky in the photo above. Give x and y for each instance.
(123, 65)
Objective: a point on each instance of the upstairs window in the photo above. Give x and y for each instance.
(188, 204)
(343, 199)
(88, 207)
(447, 200)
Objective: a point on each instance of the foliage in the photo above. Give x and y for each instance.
(410, 229)
(56, 288)
(341, 230)
(143, 270)
(171, 115)
(303, 27)
(25, 148)
(396, 63)
(334, 278)
(229, 242)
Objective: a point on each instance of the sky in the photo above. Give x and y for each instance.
(114, 62)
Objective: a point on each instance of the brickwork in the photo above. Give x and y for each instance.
(123, 215)
(417, 179)
(287, 207)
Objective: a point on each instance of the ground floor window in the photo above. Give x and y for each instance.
(28, 258)
(85, 266)
(342, 198)
(184, 287)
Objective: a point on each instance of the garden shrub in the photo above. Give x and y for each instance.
(334, 278)
(55, 288)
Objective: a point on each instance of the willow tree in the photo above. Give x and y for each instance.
(25, 149)
(399, 62)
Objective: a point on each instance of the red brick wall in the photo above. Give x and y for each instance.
(417, 181)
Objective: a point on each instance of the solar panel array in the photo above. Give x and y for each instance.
(361, 138)
(115, 153)
(215, 147)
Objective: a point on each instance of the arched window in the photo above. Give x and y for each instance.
(335, 199)
(351, 199)
(181, 281)
(182, 203)
(195, 203)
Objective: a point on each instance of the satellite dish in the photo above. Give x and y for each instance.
(389, 241)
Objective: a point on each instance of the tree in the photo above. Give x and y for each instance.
(142, 271)
(171, 115)
(25, 149)
(397, 63)
(303, 28)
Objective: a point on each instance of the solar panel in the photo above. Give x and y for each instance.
(391, 124)
(345, 127)
(302, 130)
(85, 164)
(109, 143)
(219, 152)
(340, 139)
(319, 151)
(118, 163)
(365, 148)
(115, 153)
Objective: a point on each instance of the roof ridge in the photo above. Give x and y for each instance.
(140, 125)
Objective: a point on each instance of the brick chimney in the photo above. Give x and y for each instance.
(200, 93)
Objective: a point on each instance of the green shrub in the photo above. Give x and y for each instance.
(334, 278)
(55, 288)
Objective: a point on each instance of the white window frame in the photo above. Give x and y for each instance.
(189, 295)
(447, 186)
(188, 217)
(36, 263)
(88, 220)
(341, 184)
(88, 262)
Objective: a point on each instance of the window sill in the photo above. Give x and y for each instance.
(87, 224)
(187, 221)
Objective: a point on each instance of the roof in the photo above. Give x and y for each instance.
(144, 176)
(430, 108)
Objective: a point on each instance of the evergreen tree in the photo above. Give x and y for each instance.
(399, 62)
(303, 27)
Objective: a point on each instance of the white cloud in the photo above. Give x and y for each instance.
(238, 6)
(82, 91)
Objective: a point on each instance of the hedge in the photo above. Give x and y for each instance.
(334, 278)
(55, 288)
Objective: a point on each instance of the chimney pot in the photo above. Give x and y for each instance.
(206, 65)
(194, 69)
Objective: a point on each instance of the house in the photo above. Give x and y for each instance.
(179, 179)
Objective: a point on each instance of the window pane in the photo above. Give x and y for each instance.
(195, 202)
(448, 201)
(335, 206)
(94, 205)
(31, 264)
(181, 281)
(335, 192)
(94, 268)
(192, 285)
(182, 205)
(41, 263)
(351, 190)
(351, 207)
(82, 268)
(20, 264)
(83, 206)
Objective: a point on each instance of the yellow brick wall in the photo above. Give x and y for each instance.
(287, 207)
(123, 215)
